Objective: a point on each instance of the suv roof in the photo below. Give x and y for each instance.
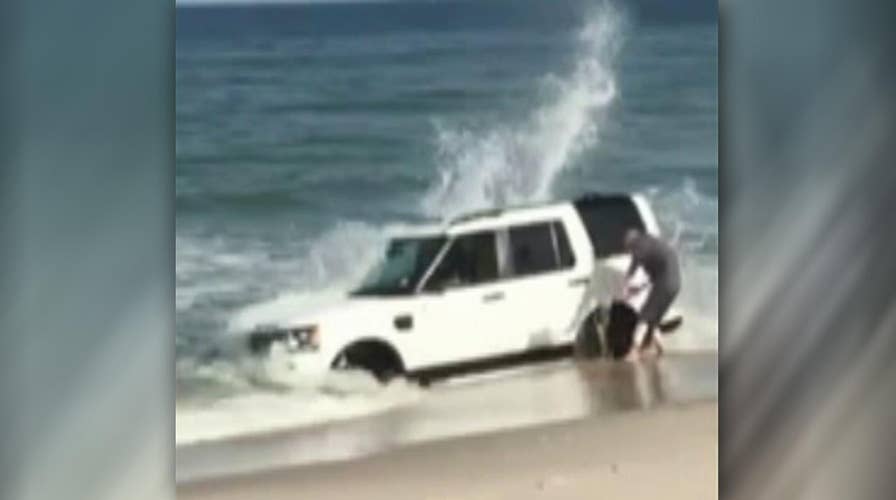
(500, 217)
(495, 214)
(492, 218)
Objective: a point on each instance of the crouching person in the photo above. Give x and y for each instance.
(660, 263)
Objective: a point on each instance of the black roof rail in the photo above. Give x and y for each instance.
(596, 196)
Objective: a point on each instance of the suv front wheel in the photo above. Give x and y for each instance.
(375, 357)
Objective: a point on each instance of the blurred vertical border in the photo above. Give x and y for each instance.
(808, 323)
(88, 250)
(808, 254)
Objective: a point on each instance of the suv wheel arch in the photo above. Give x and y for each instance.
(373, 355)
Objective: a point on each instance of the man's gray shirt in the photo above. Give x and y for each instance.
(659, 262)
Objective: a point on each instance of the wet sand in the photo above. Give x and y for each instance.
(563, 430)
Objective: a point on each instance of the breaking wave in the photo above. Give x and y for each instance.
(518, 162)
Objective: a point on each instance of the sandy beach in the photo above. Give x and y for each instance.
(669, 452)
(572, 430)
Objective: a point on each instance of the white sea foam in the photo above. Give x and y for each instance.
(341, 396)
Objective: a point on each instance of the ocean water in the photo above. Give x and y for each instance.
(306, 133)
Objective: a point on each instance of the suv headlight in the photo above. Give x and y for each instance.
(303, 338)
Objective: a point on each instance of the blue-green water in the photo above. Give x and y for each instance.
(305, 132)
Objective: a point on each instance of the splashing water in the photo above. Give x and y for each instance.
(518, 163)
(336, 262)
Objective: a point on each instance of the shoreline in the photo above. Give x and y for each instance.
(540, 404)
(592, 365)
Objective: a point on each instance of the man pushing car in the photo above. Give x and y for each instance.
(660, 263)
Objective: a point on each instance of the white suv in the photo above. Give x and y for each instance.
(488, 287)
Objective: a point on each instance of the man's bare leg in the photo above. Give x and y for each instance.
(651, 344)
(634, 353)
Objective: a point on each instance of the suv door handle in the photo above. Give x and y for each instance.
(493, 297)
(403, 322)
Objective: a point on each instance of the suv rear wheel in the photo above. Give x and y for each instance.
(590, 340)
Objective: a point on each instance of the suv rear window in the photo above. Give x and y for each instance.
(538, 248)
(607, 218)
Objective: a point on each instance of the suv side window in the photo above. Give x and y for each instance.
(472, 259)
(532, 249)
(538, 248)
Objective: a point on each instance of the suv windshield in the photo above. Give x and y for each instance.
(402, 267)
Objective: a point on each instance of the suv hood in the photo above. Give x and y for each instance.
(306, 309)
